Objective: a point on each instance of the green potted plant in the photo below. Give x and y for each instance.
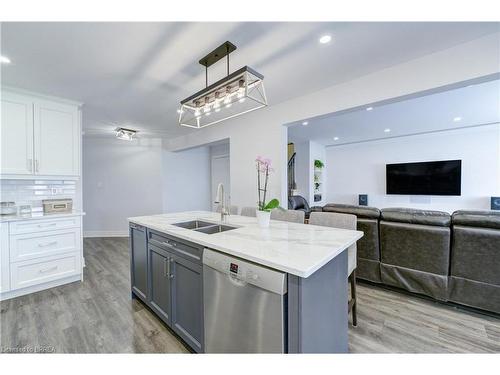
(318, 164)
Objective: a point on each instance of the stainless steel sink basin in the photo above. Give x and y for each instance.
(215, 229)
(194, 224)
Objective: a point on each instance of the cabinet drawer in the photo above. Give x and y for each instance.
(37, 271)
(36, 245)
(175, 246)
(41, 225)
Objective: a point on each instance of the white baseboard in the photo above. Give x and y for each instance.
(36, 288)
(104, 233)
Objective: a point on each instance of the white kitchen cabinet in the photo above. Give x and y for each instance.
(42, 225)
(43, 244)
(40, 136)
(4, 258)
(42, 270)
(16, 135)
(57, 139)
(38, 254)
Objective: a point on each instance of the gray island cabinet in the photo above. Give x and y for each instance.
(167, 274)
(174, 281)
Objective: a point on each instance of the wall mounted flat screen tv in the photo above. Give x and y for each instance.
(426, 178)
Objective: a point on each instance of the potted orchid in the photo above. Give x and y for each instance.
(264, 208)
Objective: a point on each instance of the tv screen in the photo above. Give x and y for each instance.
(427, 178)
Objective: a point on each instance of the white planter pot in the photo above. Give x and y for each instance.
(263, 218)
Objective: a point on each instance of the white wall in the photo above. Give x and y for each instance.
(186, 180)
(261, 132)
(360, 168)
(120, 179)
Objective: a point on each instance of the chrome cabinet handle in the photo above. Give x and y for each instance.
(48, 269)
(46, 225)
(168, 260)
(168, 243)
(36, 165)
(170, 269)
(47, 244)
(165, 272)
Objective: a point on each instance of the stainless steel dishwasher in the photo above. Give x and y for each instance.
(244, 306)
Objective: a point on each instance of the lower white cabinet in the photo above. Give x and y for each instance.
(4, 258)
(42, 225)
(36, 271)
(42, 244)
(39, 253)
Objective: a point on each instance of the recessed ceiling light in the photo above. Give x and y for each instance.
(335, 138)
(325, 39)
(457, 119)
(4, 60)
(305, 123)
(387, 130)
(369, 108)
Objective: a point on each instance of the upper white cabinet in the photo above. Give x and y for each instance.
(39, 136)
(57, 139)
(16, 135)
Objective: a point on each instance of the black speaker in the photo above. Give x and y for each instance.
(363, 199)
(495, 203)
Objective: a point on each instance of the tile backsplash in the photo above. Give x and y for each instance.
(33, 191)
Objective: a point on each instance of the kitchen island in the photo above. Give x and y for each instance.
(167, 273)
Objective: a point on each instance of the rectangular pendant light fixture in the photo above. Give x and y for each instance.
(238, 93)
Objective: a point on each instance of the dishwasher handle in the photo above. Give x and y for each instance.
(247, 272)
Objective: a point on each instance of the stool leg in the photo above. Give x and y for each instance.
(352, 278)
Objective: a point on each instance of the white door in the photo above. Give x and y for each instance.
(16, 135)
(57, 139)
(220, 174)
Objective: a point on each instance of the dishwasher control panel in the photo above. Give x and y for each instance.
(245, 271)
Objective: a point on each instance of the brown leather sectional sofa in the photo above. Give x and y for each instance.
(447, 257)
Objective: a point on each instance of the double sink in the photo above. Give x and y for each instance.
(204, 226)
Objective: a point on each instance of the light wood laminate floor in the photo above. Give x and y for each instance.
(98, 315)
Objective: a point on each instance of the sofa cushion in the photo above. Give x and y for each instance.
(414, 216)
(415, 246)
(359, 211)
(475, 254)
(483, 219)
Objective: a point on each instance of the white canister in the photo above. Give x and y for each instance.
(263, 218)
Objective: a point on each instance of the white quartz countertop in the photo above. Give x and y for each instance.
(38, 215)
(298, 249)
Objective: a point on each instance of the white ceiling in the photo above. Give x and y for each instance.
(475, 105)
(135, 74)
